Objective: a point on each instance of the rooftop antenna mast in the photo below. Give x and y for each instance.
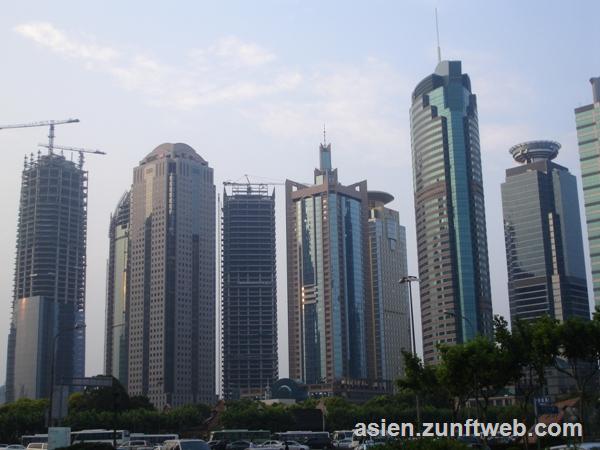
(437, 32)
(324, 136)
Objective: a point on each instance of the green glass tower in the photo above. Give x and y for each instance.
(449, 210)
(587, 119)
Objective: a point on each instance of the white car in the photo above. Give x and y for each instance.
(281, 445)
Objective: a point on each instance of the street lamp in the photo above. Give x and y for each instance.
(77, 326)
(410, 279)
(449, 312)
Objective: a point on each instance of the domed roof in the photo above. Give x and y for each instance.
(177, 150)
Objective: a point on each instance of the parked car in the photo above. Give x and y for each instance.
(582, 446)
(343, 444)
(240, 445)
(32, 446)
(318, 442)
(186, 444)
(277, 445)
(218, 444)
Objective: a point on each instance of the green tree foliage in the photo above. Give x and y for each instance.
(24, 416)
(256, 415)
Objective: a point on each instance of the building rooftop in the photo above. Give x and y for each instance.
(177, 150)
(530, 151)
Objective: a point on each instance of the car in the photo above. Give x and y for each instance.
(344, 444)
(581, 446)
(277, 445)
(186, 444)
(318, 442)
(137, 443)
(219, 444)
(33, 445)
(240, 445)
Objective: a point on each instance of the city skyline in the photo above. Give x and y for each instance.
(377, 151)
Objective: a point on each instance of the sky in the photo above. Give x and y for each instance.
(250, 85)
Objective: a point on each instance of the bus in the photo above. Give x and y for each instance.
(153, 439)
(122, 436)
(256, 436)
(27, 439)
(84, 436)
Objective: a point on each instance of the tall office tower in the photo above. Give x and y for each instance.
(391, 308)
(587, 119)
(449, 208)
(172, 278)
(115, 346)
(542, 229)
(328, 285)
(49, 284)
(249, 289)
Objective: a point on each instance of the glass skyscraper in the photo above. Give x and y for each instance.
(49, 284)
(115, 347)
(249, 289)
(449, 209)
(544, 246)
(329, 310)
(587, 119)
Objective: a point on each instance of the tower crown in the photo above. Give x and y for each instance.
(530, 151)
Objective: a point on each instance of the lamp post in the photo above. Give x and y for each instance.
(410, 279)
(114, 393)
(77, 326)
(453, 314)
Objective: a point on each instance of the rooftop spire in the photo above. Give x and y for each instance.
(437, 33)
(324, 135)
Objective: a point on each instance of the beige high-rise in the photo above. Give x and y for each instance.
(171, 313)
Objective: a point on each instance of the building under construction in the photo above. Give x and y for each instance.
(49, 282)
(249, 289)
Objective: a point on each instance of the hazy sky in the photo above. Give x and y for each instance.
(250, 84)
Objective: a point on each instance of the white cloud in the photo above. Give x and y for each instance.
(225, 72)
(48, 36)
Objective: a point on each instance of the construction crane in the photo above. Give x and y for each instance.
(44, 123)
(79, 150)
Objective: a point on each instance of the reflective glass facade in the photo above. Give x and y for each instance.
(115, 347)
(328, 294)
(449, 209)
(587, 119)
(544, 248)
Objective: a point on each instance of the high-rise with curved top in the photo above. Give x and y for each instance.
(449, 209)
(171, 311)
(542, 229)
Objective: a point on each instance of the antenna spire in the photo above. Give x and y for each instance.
(437, 33)
(324, 135)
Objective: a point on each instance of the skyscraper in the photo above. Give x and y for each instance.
(172, 278)
(542, 229)
(49, 284)
(249, 289)
(116, 345)
(587, 119)
(390, 299)
(449, 209)
(329, 321)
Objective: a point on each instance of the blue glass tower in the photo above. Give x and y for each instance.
(449, 209)
(328, 301)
